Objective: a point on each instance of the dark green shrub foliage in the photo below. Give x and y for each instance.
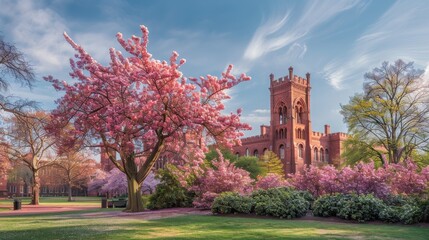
(327, 205)
(402, 209)
(424, 208)
(307, 196)
(361, 208)
(231, 202)
(390, 214)
(280, 202)
(169, 193)
(410, 213)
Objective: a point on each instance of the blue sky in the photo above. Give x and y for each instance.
(336, 41)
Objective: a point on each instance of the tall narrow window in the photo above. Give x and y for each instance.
(280, 115)
(326, 155)
(299, 133)
(284, 115)
(303, 134)
(322, 155)
(256, 153)
(281, 134)
(265, 151)
(316, 154)
(282, 151)
(247, 152)
(285, 133)
(300, 115)
(301, 151)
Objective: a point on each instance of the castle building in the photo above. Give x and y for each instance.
(290, 133)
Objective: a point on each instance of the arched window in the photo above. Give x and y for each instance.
(282, 151)
(256, 153)
(316, 154)
(281, 134)
(299, 133)
(326, 155)
(296, 114)
(284, 115)
(280, 115)
(300, 115)
(300, 151)
(322, 155)
(247, 152)
(303, 134)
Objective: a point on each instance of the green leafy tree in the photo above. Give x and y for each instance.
(227, 154)
(357, 149)
(271, 163)
(250, 164)
(393, 111)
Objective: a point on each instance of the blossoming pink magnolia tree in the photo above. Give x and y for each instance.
(138, 101)
(223, 177)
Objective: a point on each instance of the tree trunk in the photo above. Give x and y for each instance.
(135, 203)
(35, 188)
(70, 192)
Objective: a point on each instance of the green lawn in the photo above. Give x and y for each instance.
(77, 226)
(57, 201)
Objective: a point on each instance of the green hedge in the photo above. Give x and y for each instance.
(364, 208)
(231, 202)
(361, 208)
(276, 202)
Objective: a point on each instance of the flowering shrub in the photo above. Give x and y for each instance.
(223, 177)
(271, 180)
(363, 178)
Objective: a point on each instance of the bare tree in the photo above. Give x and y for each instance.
(29, 143)
(76, 170)
(13, 63)
(393, 111)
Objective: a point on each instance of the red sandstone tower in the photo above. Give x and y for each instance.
(290, 134)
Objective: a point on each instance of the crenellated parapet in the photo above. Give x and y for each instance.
(255, 139)
(338, 135)
(290, 79)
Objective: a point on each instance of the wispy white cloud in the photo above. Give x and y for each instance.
(401, 32)
(281, 31)
(263, 111)
(257, 117)
(37, 31)
(297, 50)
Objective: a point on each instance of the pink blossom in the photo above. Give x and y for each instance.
(223, 177)
(271, 180)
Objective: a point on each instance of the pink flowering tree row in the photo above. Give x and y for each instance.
(363, 178)
(115, 183)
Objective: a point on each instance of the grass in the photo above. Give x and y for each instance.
(79, 226)
(57, 201)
